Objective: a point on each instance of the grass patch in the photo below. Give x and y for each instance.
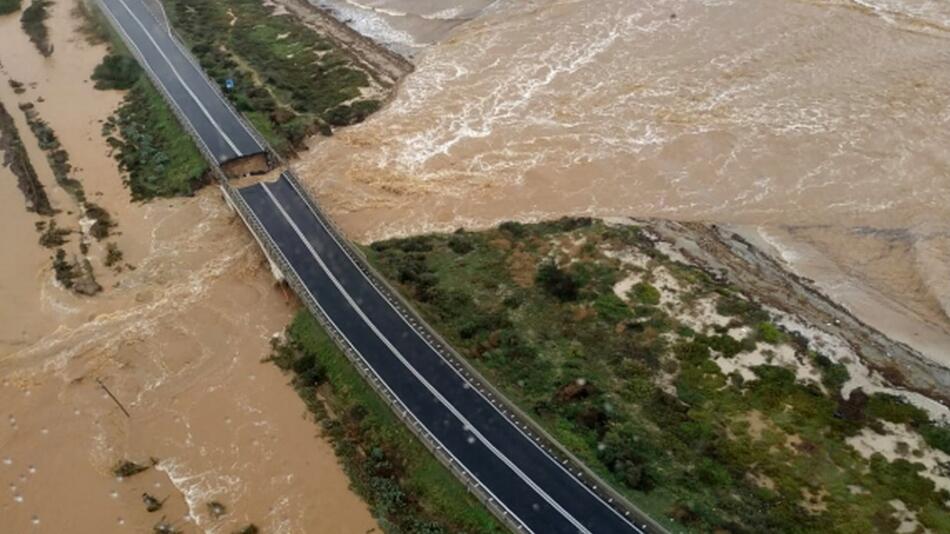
(406, 487)
(633, 389)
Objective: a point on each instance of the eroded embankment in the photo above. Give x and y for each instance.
(721, 250)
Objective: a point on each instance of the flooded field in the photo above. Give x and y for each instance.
(819, 128)
(177, 336)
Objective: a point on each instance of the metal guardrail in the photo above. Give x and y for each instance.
(179, 114)
(512, 412)
(508, 409)
(276, 256)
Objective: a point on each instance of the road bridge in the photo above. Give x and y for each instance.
(519, 473)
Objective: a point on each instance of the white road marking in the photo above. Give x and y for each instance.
(204, 110)
(379, 379)
(448, 405)
(506, 416)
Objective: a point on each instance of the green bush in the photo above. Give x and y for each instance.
(460, 244)
(612, 309)
(770, 333)
(117, 71)
(645, 293)
(557, 282)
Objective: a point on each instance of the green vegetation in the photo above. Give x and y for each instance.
(117, 71)
(408, 490)
(632, 385)
(58, 160)
(64, 270)
(53, 236)
(17, 159)
(290, 81)
(9, 6)
(56, 155)
(33, 21)
(158, 157)
(113, 255)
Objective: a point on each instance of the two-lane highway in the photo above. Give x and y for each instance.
(530, 484)
(223, 134)
(486, 446)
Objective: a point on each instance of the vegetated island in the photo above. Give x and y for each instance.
(33, 21)
(659, 354)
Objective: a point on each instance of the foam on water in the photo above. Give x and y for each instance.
(771, 113)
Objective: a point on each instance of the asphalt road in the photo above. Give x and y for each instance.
(536, 491)
(222, 132)
(531, 485)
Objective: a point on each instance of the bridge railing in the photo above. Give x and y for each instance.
(508, 409)
(276, 256)
(179, 114)
(514, 414)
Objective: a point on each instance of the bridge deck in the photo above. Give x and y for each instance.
(224, 135)
(532, 489)
(529, 483)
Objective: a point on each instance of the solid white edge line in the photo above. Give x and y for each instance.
(466, 424)
(178, 44)
(201, 73)
(383, 382)
(180, 79)
(504, 415)
(128, 38)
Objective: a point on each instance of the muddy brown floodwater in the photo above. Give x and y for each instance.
(179, 340)
(820, 127)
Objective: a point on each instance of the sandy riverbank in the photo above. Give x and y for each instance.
(178, 339)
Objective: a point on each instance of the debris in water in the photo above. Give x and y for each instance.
(250, 529)
(216, 509)
(126, 469)
(164, 527)
(151, 503)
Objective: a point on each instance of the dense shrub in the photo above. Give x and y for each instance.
(9, 6)
(645, 293)
(117, 71)
(556, 281)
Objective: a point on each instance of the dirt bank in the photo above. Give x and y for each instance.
(723, 250)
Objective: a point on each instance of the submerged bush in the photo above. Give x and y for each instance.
(33, 21)
(9, 6)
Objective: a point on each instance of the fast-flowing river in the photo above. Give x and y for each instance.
(820, 128)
